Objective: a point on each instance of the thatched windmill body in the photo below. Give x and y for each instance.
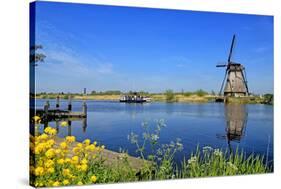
(235, 77)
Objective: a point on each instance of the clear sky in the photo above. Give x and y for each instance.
(121, 48)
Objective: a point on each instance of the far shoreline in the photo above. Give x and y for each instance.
(178, 98)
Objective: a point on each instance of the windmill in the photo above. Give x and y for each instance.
(235, 76)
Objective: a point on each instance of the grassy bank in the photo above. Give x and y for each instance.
(198, 96)
(67, 162)
(155, 97)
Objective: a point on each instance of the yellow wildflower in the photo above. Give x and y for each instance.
(53, 132)
(39, 148)
(63, 124)
(65, 182)
(49, 163)
(36, 119)
(47, 129)
(67, 160)
(87, 141)
(39, 171)
(79, 145)
(80, 183)
(57, 183)
(95, 143)
(50, 131)
(58, 151)
(75, 150)
(50, 143)
(60, 161)
(50, 153)
(38, 184)
(102, 146)
(84, 167)
(84, 161)
(51, 170)
(43, 137)
(70, 139)
(75, 159)
(63, 145)
(65, 172)
(93, 178)
(91, 147)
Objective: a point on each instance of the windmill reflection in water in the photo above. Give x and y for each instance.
(236, 120)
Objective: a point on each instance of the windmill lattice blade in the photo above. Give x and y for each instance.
(223, 82)
(221, 65)
(231, 49)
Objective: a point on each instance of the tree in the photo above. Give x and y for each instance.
(35, 56)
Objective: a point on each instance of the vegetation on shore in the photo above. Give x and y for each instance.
(198, 96)
(76, 163)
(167, 96)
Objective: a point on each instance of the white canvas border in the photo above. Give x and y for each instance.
(14, 91)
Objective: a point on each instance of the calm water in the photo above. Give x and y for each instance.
(213, 124)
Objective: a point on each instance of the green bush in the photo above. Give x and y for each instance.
(170, 96)
(200, 92)
(188, 94)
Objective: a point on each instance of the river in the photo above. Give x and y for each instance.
(249, 127)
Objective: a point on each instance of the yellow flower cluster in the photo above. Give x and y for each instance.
(63, 124)
(50, 131)
(62, 162)
(36, 119)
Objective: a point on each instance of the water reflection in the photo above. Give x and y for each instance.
(69, 124)
(236, 120)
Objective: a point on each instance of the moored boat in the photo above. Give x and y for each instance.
(135, 98)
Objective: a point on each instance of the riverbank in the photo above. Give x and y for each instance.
(63, 161)
(56, 161)
(110, 157)
(193, 98)
(154, 97)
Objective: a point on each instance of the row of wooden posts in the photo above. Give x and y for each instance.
(57, 112)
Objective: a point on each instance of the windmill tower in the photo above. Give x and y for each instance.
(235, 76)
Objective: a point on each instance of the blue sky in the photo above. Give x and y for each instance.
(121, 48)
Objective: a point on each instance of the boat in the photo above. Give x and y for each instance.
(135, 98)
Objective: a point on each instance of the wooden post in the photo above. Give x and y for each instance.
(57, 125)
(69, 103)
(58, 102)
(48, 104)
(69, 128)
(84, 109)
(84, 124)
(46, 107)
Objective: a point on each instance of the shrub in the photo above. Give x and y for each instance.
(200, 93)
(188, 94)
(170, 96)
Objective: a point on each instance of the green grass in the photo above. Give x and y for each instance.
(204, 163)
(215, 162)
